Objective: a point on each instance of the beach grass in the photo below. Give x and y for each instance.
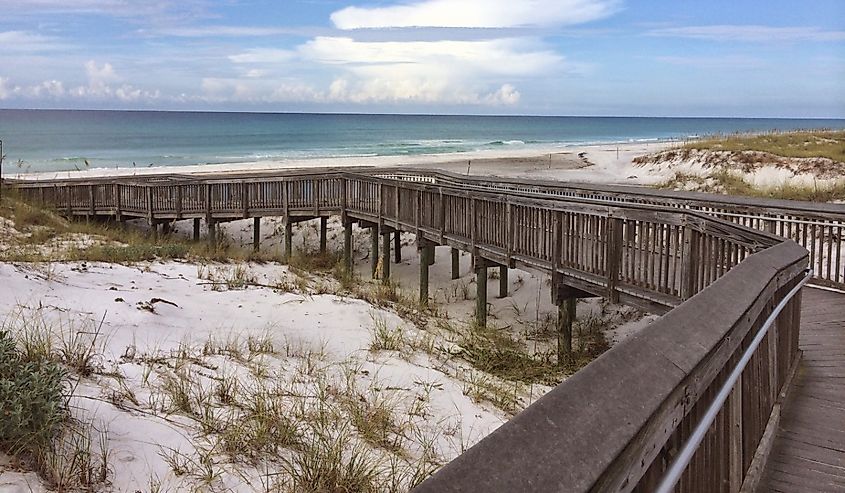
(47, 237)
(733, 183)
(799, 144)
(253, 402)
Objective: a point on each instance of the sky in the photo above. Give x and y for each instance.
(737, 58)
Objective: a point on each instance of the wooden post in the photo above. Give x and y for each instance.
(509, 232)
(208, 218)
(323, 230)
(212, 233)
(481, 292)
(689, 284)
(196, 229)
(424, 253)
(245, 199)
(347, 245)
(150, 204)
(431, 253)
(165, 228)
(736, 471)
(456, 263)
(92, 202)
(118, 208)
(503, 281)
(565, 317)
(374, 250)
(385, 258)
(288, 239)
(397, 245)
(256, 233)
(178, 202)
(613, 256)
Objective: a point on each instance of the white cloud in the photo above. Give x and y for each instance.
(429, 71)
(101, 86)
(27, 42)
(507, 94)
(49, 88)
(750, 33)
(263, 55)
(99, 80)
(99, 75)
(218, 31)
(255, 73)
(253, 91)
(461, 72)
(475, 13)
(500, 56)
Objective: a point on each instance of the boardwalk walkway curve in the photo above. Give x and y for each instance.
(616, 424)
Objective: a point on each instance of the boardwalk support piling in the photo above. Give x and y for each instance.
(256, 233)
(347, 245)
(397, 246)
(212, 233)
(374, 255)
(503, 281)
(324, 221)
(565, 317)
(196, 229)
(456, 263)
(481, 293)
(288, 240)
(425, 251)
(385, 258)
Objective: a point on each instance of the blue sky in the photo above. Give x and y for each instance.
(558, 57)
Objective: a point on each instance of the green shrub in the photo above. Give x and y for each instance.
(32, 406)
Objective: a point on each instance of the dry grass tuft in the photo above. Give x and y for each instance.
(799, 144)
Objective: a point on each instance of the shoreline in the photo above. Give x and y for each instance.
(599, 163)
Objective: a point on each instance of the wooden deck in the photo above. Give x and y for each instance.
(809, 449)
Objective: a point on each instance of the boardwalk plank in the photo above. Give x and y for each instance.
(809, 449)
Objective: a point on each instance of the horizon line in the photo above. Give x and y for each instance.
(481, 115)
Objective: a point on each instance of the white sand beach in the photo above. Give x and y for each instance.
(604, 163)
(267, 327)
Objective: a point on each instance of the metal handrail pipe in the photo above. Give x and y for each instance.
(679, 465)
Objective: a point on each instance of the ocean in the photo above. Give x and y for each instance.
(65, 140)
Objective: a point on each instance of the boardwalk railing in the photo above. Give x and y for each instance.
(616, 424)
(648, 256)
(818, 227)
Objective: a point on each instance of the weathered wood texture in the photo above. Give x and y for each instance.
(808, 454)
(820, 228)
(649, 256)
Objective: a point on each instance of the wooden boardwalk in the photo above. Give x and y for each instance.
(809, 449)
(617, 424)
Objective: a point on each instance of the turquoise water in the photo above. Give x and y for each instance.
(60, 140)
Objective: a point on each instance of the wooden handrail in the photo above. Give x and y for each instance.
(819, 227)
(616, 424)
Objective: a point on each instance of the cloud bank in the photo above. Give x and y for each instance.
(475, 14)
